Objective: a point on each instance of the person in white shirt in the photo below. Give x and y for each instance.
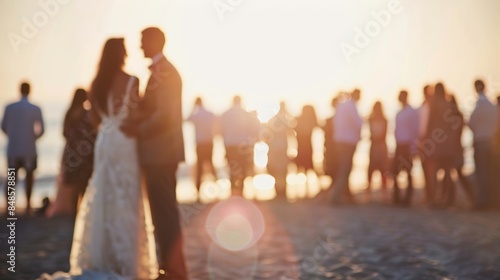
(204, 125)
(483, 123)
(347, 134)
(23, 124)
(406, 135)
(239, 130)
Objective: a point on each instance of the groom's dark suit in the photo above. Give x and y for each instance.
(161, 148)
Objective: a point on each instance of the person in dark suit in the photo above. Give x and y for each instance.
(158, 127)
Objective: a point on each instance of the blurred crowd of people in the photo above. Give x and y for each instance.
(432, 133)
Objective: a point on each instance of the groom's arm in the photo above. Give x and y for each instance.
(166, 97)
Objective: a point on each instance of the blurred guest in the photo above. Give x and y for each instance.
(204, 124)
(483, 123)
(444, 155)
(239, 130)
(23, 124)
(456, 118)
(279, 128)
(347, 134)
(406, 134)
(78, 157)
(306, 123)
(378, 149)
(424, 112)
(330, 153)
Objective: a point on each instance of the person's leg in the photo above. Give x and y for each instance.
(199, 167)
(433, 170)
(351, 149)
(12, 163)
(449, 187)
(280, 176)
(210, 162)
(383, 177)
(29, 188)
(244, 167)
(161, 184)
(341, 176)
(233, 165)
(492, 177)
(496, 181)
(30, 166)
(396, 197)
(409, 189)
(398, 166)
(429, 184)
(346, 152)
(368, 191)
(481, 157)
(466, 185)
(383, 187)
(248, 161)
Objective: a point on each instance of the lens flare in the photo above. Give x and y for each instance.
(234, 232)
(235, 224)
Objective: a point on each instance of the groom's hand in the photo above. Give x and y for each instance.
(130, 130)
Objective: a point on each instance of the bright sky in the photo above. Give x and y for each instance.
(264, 50)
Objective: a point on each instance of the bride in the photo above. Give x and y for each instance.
(113, 237)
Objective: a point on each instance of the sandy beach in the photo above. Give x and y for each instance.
(303, 240)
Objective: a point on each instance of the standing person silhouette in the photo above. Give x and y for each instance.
(161, 148)
(78, 157)
(330, 155)
(23, 124)
(444, 156)
(347, 134)
(458, 151)
(406, 134)
(239, 130)
(426, 162)
(306, 123)
(279, 127)
(483, 123)
(204, 125)
(378, 150)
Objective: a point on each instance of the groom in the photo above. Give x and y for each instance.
(161, 148)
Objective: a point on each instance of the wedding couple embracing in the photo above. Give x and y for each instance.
(139, 140)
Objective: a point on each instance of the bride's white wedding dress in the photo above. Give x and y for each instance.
(113, 236)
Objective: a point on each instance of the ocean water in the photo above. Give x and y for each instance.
(50, 148)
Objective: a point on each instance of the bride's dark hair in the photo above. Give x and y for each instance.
(112, 61)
